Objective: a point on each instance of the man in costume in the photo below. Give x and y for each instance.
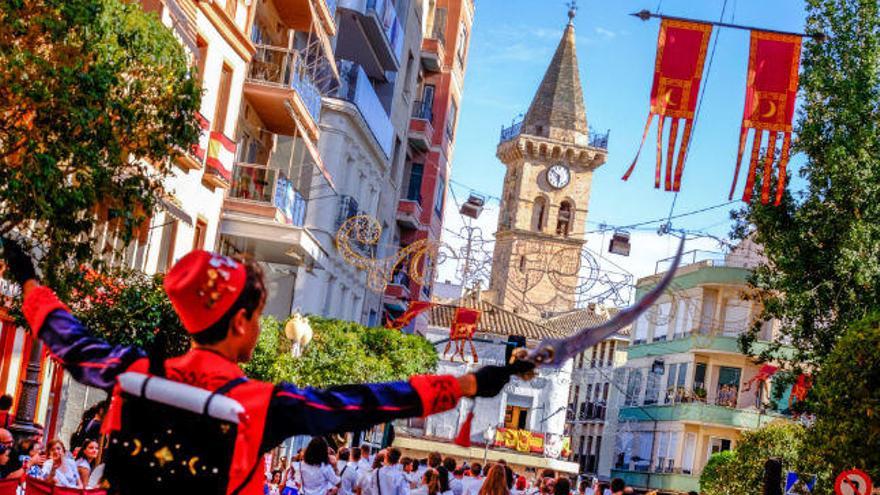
(220, 301)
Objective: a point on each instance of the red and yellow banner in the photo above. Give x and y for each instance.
(464, 325)
(678, 70)
(414, 309)
(221, 154)
(520, 440)
(771, 89)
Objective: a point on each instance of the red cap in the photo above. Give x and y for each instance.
(202, 286)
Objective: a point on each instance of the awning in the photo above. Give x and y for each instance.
(169, 204)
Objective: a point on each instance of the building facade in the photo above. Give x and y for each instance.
(440, 64)
(686, 391)
(550, 158)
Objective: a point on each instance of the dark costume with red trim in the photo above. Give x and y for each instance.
(273, 412)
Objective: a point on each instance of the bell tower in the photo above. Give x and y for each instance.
(550, 157)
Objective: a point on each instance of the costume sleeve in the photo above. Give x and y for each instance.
(90, 360)
(310, 411)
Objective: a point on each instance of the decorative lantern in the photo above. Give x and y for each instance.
(473, 206)
(619, 243)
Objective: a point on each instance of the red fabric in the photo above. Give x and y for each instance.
(464, 324)
(202, 286)
(801, 387)
(678, 71)
(771, 92)
(764, 374)
(414, 309)
(34, 486)
(38, 304)
(438, 393)
(464, 434)
(9, 486)
(210, 371)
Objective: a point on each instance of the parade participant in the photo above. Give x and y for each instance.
(367, 481)
(220, 301)
(389, 478)
(273, 486)
(617, 486)
(349, 474)
(562, 486)
(495, 482)
(317, 475)
(455, 475)
(519, 487)
(429, 485)
(364, 462)
(289, 480)
(471, 485)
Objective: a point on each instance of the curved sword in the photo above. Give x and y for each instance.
(554, 352)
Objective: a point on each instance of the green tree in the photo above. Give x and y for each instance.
(741, 470)
(341, 352)
(95, 99)
(823, 247)
(846, 400)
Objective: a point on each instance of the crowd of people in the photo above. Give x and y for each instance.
(320, 470)
(28, 457)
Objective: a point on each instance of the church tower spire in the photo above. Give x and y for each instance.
(557, 110)
(550, 159)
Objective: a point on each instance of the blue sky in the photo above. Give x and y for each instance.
(512, 43)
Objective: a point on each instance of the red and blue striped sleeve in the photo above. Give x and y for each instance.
(311, 411)
(89, 359)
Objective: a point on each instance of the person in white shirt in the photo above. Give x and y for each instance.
(429, 485)
(409, 472)
(389, 478)
(455, 485)
(364, 463)
(350, 472)
(342, 460)
(471, 485)
(366, 483)
(317, 476)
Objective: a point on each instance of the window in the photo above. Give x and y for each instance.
(450, 119)
(221, 108)
(687, 456)
(166, 248)
(719, 445)
(438, 31)
(633, 387)
(462, 44)
(564, 219)
(728, 386)
(201, 230)
(396, 158)
(664, 319)
(439, 196)
(414, 186)
(675, 391)
(652, 389)
(611, 347)
(257, 34)
(201, 55)
(428, 102)
(700, 380)
(516, 417)
(667, 446)
(538, 213)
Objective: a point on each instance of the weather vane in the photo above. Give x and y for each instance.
(572, 10)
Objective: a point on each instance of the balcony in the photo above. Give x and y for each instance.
(264, 215)
(699, 413)
(596, 140)
(355, 87)
(281, 91)
(299, 14)
(399, 289)
(421, 127)
(409, 214)
(219, 160)
(433, 54)
(370, 33)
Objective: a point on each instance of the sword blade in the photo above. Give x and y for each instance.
(554, 352)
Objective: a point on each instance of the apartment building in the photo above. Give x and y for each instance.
(214, 35)
(686, 391)
(439, 64)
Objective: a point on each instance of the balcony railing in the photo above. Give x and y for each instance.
(387, 15)
(596, 139)
(285, 68)
(423, 110)
(355, 87)
(260, 184)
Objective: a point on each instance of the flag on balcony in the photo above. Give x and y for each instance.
(464, 325)
(221, 154)
(801, 387)
(771, 90)
(764, 374)
(678, 70)
(414, 309)
(200, 149)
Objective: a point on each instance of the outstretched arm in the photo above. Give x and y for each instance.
(90, 360)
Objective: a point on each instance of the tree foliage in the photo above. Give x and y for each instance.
(95, 98)
(741, 470)
(823, 247)
(341, 352)
(846, 400)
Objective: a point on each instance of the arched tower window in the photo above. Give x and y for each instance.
(565, 218)
(539, 212)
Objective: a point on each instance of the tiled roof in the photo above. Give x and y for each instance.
(498, 321)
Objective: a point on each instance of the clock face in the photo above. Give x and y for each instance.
(558, 176)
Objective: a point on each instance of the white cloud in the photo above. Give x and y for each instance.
(606, 33)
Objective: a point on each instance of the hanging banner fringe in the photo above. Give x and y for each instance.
(771, 90)
(678, 70)
(414, 309)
